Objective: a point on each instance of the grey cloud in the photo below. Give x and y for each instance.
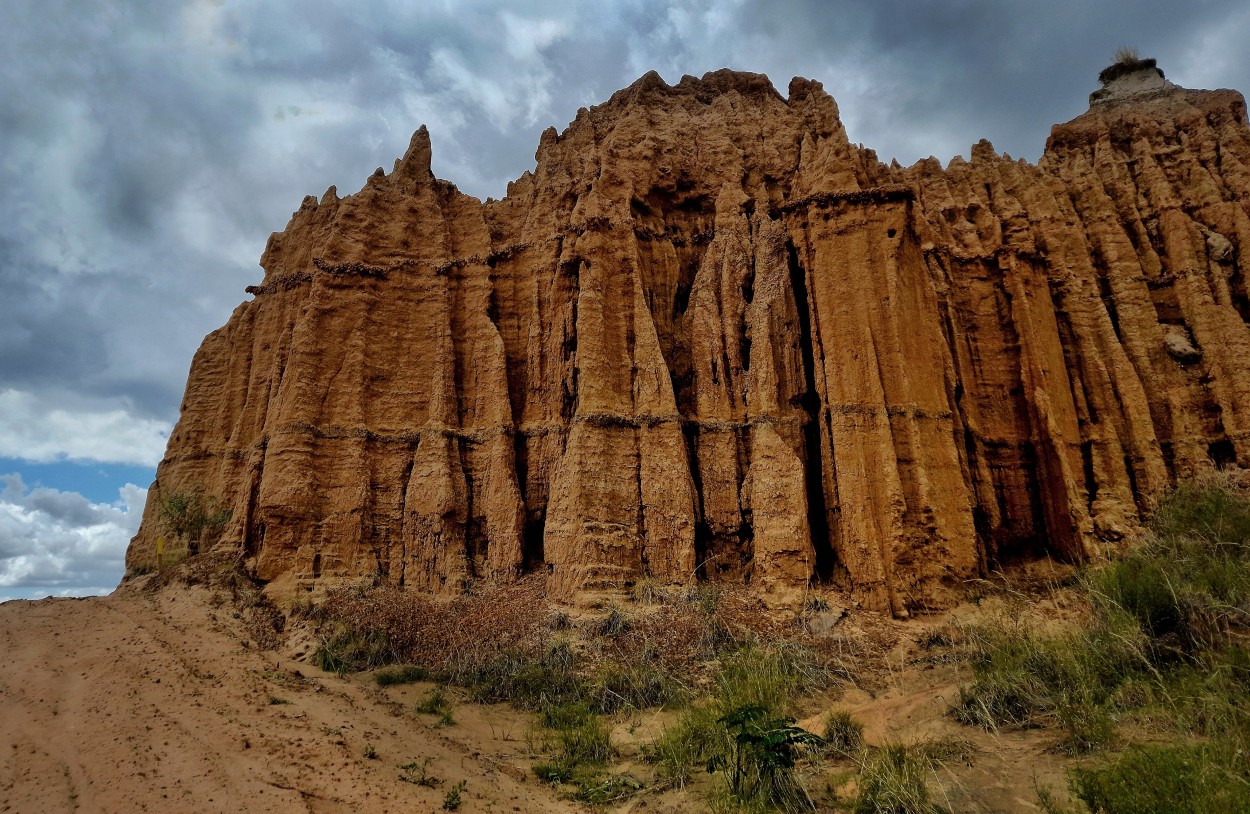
(69, 508)
(147, 149)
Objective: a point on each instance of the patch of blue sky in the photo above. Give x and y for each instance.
(98, 482)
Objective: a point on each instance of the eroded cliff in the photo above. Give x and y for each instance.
(709, 338)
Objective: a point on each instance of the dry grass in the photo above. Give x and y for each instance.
(370, 627)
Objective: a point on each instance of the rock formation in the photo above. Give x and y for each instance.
(708, 338)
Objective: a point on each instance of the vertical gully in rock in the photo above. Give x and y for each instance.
(817, 514)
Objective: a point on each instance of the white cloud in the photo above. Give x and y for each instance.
(55, 543)
(32, 429)
(526, 39)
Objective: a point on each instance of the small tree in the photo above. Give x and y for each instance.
(760, 763)
(191, 516)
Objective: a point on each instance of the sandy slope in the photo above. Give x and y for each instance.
(157, 702)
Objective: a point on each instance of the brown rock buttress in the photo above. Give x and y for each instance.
(708, 338)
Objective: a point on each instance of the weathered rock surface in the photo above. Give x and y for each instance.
(709, 338)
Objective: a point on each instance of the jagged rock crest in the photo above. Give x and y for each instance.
(708, 338)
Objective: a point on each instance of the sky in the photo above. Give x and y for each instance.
(148, 148)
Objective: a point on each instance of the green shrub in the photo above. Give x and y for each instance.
(759, 765)
(451, 801)
(195, 518)
(419, 774)
(764, 676)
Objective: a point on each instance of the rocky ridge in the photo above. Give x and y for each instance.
(708, 338)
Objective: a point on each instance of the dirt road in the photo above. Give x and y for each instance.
(158, 702)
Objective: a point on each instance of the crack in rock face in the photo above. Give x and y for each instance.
(709, 339)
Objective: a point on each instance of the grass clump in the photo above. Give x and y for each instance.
(580, 745)
(1126, 55)
(610, 790)
(640, 685)
(1183, 779)
(894, 780)
(434, 704)
(580, 736)
(419, 774)
(844, 734)
(407, 674)
(526, 682)
(1189, 588)
(1025, 678)
(346, 650)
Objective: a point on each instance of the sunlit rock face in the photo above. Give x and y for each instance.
(707, 338)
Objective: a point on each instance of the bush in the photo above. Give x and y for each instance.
(193, 517)
(759, 766)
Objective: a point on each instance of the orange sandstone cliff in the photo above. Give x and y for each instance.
(708, 338)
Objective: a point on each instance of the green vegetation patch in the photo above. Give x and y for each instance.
(1166, 650)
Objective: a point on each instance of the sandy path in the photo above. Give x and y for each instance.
(154, 702)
